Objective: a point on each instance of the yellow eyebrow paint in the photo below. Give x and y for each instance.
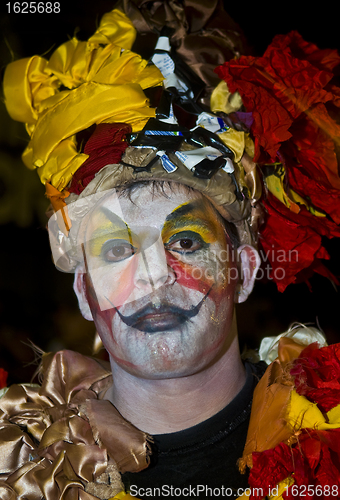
(103, 235)
(198, 216)
(110, 227)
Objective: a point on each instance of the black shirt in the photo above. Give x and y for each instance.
(202, 460)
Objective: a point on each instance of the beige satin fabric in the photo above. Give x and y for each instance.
(57, 438)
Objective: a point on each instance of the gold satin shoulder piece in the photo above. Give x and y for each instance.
(49, 95)
(48, 447)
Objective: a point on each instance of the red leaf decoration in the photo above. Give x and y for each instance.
(288, 92)
(3, 378)
(293, 243)
(312, 460)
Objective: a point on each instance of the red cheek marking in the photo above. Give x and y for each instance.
(123, 362)
(185, 276)
(108, 314)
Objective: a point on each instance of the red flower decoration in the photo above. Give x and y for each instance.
(293, 243)
(105, 146)
(269, 468)
(317, 375)
(312, 462)
(3, 378)
(312, 459)
(288, 92)
(278, 87)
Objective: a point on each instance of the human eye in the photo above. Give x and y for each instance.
(117, 250)
(186, 242)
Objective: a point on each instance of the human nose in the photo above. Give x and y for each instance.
(152, 270)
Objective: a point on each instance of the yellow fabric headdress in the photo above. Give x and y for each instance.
(49, 95)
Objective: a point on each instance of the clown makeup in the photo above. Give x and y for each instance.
(159, 281)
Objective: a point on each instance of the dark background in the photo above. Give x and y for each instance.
(36, 301)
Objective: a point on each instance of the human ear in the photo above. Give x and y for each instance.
(250, 261)
(79, 287)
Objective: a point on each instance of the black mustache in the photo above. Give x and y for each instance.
(182, 314)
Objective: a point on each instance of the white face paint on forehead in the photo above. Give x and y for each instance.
(159, 283)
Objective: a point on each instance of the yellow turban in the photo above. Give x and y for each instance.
(83, 83)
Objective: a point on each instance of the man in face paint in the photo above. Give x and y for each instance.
(160, 279)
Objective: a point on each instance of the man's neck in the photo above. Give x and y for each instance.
(171, 405)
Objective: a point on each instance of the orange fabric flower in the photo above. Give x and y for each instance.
(309, 456)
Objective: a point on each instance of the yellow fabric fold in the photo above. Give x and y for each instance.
(303, 414)
(243, 497)
(61, 166)
(275, 183)
(281, 488)
(223, 100)
(115, 27)
(123, 496)
(333, 415)
(49, 96)
(277, 491)
(25, 85)
(239, 142)
(243, 148)
(104, 103)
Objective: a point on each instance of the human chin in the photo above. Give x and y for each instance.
(183, 350)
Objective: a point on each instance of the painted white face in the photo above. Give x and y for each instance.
(161, 281)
